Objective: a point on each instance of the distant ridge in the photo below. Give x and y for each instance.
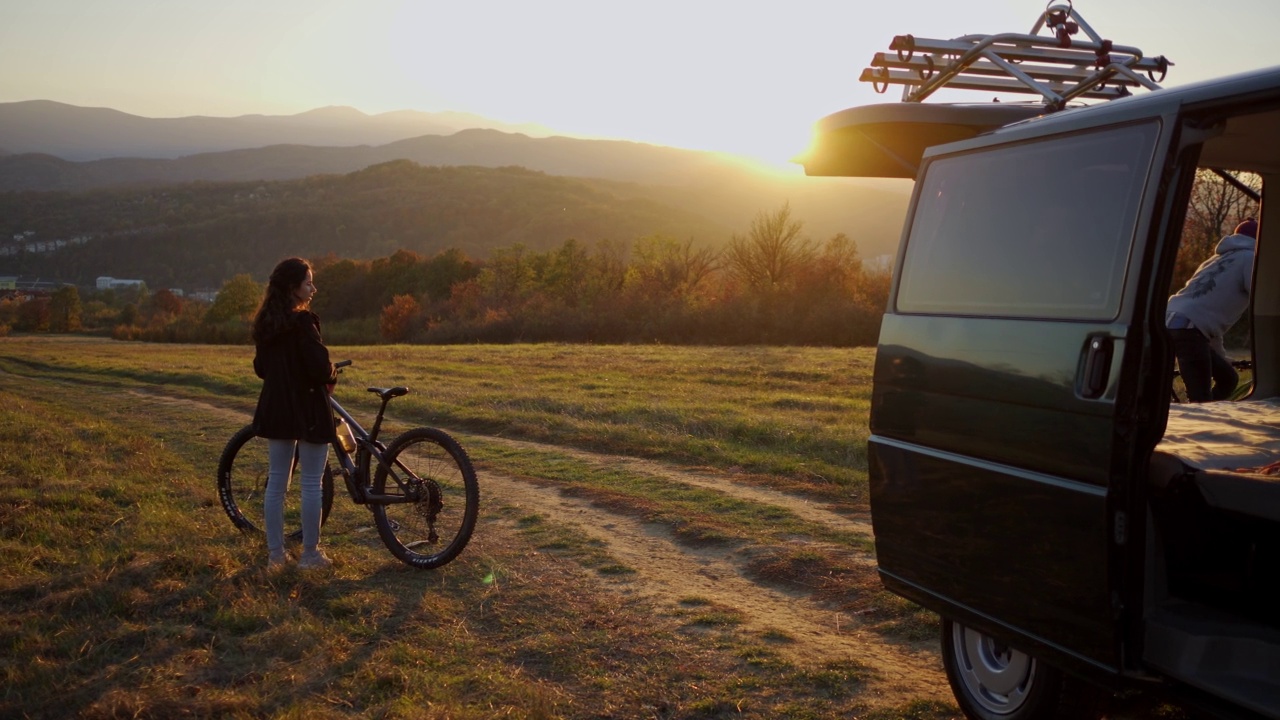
(78, 133)
(608, 159)
(723, 189)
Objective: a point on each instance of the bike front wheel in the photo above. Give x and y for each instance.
(436, 498)
(242, 483)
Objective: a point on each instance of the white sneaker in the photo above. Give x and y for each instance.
(314, 559)
(277, 559)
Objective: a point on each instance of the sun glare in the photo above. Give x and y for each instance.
(768, 150)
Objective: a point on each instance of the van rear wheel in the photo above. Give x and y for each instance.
(992, 681)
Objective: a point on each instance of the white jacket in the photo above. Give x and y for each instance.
(1218, 293)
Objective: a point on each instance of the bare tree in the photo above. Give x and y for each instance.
(1215, 208)
(768, 257)
(665, 266)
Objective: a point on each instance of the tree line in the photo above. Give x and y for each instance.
(772, 285)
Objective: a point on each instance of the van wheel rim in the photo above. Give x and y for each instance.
(998, 677)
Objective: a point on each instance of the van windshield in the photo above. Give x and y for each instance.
(1037, 229)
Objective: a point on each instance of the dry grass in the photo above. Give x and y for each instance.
(126, 593)
(795, 416)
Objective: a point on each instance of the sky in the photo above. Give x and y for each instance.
(746, 77)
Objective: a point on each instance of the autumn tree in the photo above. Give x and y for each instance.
(509, 276)
(8, 313)
(577, 278)
(129, 314)
(350, 289)
(64, 309)
(562, 273)
(400, 274)
(446, 269)
(396, 322)
(237, 300)
(341, 289)
(33, 315)
(165, 301)
(607, 272)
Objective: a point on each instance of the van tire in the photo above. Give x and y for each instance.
(992, 681)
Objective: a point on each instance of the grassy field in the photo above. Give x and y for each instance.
(798, 413)
(127, 593)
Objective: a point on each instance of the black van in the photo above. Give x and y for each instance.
(1031, 479)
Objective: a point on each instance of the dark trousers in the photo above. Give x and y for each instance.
(1202, 367)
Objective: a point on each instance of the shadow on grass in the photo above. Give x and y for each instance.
(164, 636)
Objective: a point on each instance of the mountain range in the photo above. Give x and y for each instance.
(605, 159)
(50, 146)
(78, 133)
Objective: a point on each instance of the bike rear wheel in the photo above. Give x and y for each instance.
(242, 482)
(442, 495)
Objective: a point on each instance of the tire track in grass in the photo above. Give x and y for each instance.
(805, 509)
(671, 575)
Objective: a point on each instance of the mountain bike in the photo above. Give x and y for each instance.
(421, 487)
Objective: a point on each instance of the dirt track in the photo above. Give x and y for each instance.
(667, 572)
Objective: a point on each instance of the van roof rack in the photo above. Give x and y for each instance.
(1049, 61)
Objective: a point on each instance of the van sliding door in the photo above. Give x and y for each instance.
(994, 410)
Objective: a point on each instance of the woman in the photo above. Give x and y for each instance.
(293, 409)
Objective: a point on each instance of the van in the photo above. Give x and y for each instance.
(1032, 480)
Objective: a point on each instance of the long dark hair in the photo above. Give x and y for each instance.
(278, 304)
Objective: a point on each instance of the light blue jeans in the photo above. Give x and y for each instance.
(312, 458)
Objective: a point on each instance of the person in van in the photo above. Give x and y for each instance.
(1199, 315)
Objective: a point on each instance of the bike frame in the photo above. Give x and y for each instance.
(357, 465)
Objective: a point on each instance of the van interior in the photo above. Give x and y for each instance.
(1213, 552)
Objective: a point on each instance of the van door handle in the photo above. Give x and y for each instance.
(1097, 366)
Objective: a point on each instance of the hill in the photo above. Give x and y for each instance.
(635, 189)
(200, 234)
(609, 159)
(82, 133)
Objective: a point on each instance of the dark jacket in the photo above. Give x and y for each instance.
(294, 367)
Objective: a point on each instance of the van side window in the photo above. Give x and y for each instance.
(1038, 229)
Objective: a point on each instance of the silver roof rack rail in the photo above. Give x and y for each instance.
(1049, 61)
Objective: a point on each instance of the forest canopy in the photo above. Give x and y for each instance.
(772, 285)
